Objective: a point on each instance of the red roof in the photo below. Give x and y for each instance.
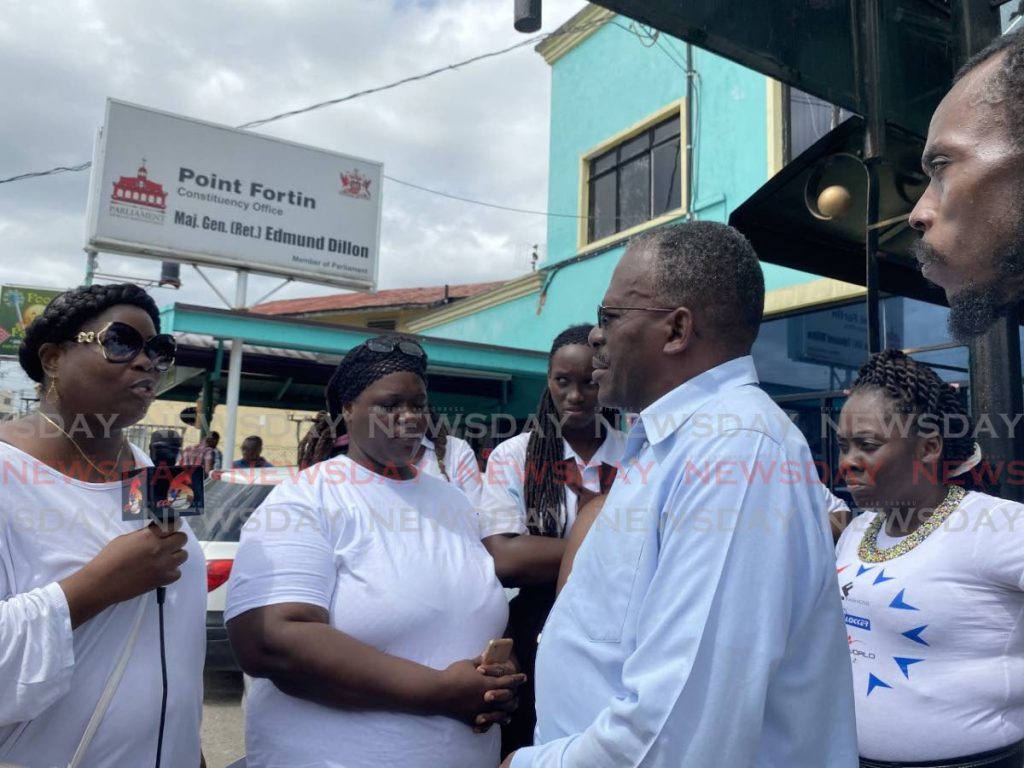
(392, 299)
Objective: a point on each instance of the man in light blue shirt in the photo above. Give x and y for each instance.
(701, 626)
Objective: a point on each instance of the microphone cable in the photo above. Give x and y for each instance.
(161, 593)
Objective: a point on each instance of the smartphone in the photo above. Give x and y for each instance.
(498, 651)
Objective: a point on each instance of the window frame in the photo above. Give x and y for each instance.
(676, 109)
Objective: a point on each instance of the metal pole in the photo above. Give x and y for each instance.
(874, 151)
(90, 265)
(234, 375)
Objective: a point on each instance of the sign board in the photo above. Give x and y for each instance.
(177, 189)
(19, 306)
(838, 336)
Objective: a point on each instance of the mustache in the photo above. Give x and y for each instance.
(926, 254)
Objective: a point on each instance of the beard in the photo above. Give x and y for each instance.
(974, 308)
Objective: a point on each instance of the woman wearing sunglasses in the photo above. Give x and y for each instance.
(75, 579)
(361, 597)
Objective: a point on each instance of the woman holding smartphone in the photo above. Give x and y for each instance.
(361, 597)
(534, 485)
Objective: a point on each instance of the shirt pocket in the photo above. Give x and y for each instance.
(604, 580)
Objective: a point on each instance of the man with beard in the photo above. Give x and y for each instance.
(972, 242)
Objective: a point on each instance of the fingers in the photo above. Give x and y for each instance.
(483, 722)
(165, 529)
(500, 697)
(508, 681)
(498, 670)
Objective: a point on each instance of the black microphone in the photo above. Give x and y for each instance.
(162, 493)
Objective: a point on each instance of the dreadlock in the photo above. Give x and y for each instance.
(545, 497)
(68, 312)
(440, 440)
(318, 443)
(916, 389)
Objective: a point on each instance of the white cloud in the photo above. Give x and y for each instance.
(478, 132)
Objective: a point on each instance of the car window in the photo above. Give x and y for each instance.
(228, 506)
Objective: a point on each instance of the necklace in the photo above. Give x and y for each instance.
(100, 472)
(868, 550)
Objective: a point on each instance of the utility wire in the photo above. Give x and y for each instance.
(350, 97)
(367, 92)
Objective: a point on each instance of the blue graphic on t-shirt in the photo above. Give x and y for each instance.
(915, 634)
(864, 569)
(904, 664)
(874, 682)
(881, 577)
(897, 602)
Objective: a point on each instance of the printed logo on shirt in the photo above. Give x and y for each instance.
(858, 622)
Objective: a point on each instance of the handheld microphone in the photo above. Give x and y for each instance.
(162, 493)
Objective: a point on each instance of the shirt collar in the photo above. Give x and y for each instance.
(609, 452)
(670, 411)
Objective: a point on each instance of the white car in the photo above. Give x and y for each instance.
(230, 497)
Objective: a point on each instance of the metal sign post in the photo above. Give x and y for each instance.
(234, 375)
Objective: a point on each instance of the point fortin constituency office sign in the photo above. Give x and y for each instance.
(177, 189)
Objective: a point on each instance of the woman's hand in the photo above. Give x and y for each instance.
(128, 566)
(485, 720)
(465, 693)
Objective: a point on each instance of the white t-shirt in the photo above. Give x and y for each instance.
(399, 566)
(503, 499)
(935, 635)
(51, 678)
(459, 463)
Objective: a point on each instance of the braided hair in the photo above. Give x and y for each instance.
(69, 311)
(545, 497)
(915, 388)
(440, 441)
(318, 443)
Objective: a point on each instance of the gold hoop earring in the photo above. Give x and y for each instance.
(52, 394)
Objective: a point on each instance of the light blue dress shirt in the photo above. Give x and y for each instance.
(701, 626)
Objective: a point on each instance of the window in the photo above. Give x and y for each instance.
(807, 119)
(636, 181)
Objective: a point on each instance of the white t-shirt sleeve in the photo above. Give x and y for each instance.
(286, 553)
(997, 529)
(464, 471)
(833, 503)
(37, 654)
(503, 499)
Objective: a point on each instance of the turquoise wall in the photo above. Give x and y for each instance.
(609, 82)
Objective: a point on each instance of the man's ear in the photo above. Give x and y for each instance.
(680, 332)
(49, 356)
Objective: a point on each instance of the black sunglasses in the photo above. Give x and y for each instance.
(121, 343)
(410, 348)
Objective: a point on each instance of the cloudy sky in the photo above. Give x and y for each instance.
(477, 132)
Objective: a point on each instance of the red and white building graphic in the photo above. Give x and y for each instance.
(139, 190)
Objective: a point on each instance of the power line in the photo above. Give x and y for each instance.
(480, 202)
(379, 89)
(389, 86)
(351, 96)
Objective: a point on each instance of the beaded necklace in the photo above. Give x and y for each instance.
(868, 550)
